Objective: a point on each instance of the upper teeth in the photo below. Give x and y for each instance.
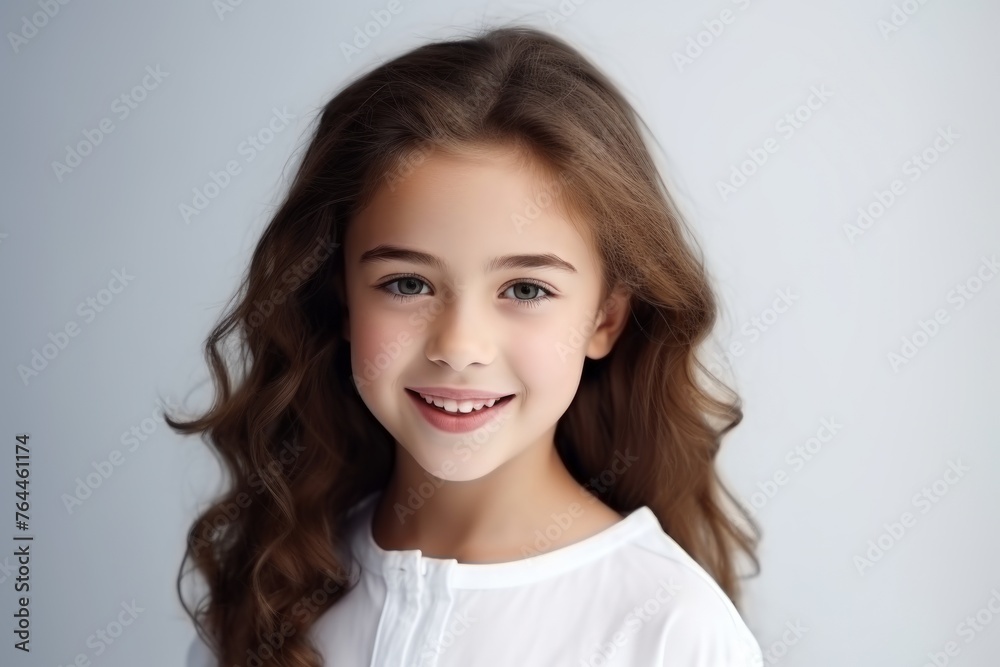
(451, 405)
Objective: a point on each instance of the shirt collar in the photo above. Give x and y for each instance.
(488, 575)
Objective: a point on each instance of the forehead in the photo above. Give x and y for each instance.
(487, 201)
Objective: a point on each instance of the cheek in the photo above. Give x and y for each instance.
(380, 341)
(549, 360)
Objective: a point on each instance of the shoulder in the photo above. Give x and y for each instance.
(698, 624)
(199, 654)
(704, 629)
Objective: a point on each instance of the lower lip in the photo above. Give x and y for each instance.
(457, 422)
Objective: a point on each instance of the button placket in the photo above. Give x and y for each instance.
(402, 611)
(439, 600)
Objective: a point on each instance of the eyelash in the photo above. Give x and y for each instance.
(521, 303)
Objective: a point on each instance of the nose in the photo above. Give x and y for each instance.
(461, 334)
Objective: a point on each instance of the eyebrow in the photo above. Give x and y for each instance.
(385, 253)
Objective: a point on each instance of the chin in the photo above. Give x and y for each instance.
(453, 468)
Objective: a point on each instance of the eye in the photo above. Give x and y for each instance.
(409, 282)
(532, 288)
(411, 287)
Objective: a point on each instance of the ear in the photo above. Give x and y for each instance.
(610, 323)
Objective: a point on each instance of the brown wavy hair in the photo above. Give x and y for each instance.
(296, 441)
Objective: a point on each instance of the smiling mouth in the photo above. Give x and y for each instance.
(459, 413)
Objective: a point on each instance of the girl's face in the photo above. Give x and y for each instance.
(460, 277)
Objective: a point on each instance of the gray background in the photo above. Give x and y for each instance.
(825, 357)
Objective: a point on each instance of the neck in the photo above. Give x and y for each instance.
(490, 519)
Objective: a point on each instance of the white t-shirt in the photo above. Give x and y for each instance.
(628, 596)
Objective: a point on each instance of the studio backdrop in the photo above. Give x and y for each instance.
(837, 162)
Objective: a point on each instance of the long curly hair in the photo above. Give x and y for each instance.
(298, 446)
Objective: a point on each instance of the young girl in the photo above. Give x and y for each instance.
(468, 426)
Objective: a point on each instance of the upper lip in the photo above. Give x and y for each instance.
(458, 394)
